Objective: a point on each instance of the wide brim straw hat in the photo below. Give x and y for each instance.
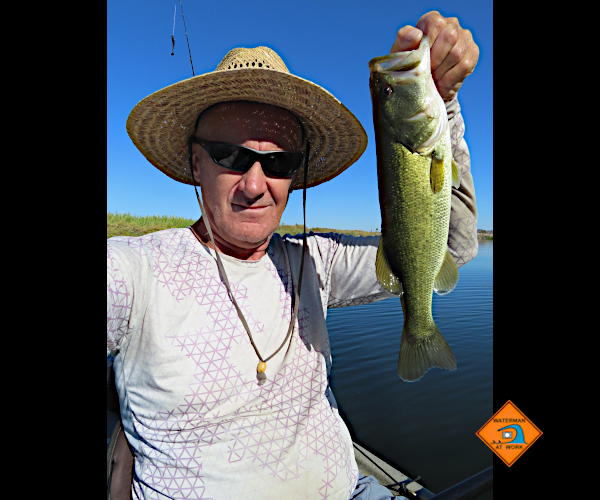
(160, 124)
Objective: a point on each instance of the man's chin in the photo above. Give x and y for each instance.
(251, 237)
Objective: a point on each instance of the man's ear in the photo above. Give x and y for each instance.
(294, 177)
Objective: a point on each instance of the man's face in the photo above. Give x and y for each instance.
(244, 209)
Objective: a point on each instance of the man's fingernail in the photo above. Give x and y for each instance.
(413, 35)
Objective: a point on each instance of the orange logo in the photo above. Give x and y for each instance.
(509, 433)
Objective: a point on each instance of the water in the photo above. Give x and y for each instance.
(425, 428)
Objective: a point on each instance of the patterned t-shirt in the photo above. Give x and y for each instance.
(199, 423)
(192, 409)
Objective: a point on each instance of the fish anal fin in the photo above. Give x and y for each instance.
(436, 174)
(387, 279)
(455, 175)
(420, 353)
(447, 277)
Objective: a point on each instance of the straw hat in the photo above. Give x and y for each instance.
(160, 124)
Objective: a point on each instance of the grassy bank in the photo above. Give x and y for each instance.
(134, 225)
(298, 228)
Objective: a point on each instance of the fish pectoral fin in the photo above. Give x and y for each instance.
(436, 174)
(387, 279)
(447, 277)
(455, 175)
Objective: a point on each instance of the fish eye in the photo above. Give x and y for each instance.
(388, 91)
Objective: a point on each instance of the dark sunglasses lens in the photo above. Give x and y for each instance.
(234, 157)
(282, 164)
(231, 156)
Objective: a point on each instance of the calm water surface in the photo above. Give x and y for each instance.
(425, 428)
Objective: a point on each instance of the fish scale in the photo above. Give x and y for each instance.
(415, 178)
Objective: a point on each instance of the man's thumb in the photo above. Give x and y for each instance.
(408, 38)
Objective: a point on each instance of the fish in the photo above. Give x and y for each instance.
(415, 174)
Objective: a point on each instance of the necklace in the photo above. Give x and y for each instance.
(262, 365)
(261, 368)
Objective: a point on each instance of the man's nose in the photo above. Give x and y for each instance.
(254, 182)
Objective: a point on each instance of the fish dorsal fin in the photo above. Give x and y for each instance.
(387, 279)
(447, 277)
(436, 174)
(455, 175)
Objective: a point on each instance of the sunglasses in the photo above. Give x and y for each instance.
(240, 158)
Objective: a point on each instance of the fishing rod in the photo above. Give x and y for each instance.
(186, 37)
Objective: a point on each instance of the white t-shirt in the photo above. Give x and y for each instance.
(200, 424)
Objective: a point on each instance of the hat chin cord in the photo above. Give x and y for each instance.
(262, 365)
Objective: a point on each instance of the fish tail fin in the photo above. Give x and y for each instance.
(418, 355)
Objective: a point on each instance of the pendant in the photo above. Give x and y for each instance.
(260, 373)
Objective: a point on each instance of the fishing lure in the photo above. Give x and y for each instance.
(173, 35)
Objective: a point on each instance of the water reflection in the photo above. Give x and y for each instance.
(427, 427)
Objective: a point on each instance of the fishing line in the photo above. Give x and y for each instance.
(186, 37)
(173, 35)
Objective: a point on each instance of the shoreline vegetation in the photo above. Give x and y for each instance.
(138, 225)
(483, 235)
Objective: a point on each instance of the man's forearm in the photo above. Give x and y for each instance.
(462, 237)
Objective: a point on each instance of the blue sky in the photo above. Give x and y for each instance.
(329, 42)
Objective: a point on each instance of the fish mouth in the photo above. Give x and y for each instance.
(405, 65)
(419, 124)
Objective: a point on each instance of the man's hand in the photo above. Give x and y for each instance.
(454, 54)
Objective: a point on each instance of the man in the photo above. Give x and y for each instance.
(223, 356)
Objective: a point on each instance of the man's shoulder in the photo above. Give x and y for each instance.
(316, 242)
(174, 241)
(155, 238)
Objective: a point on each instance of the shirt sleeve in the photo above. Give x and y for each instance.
(462, 236)
(349, 267)
(128, 273)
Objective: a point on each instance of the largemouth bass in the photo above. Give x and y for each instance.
(415, 172)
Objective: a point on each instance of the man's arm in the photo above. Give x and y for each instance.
(462, 235)
(127, 274)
